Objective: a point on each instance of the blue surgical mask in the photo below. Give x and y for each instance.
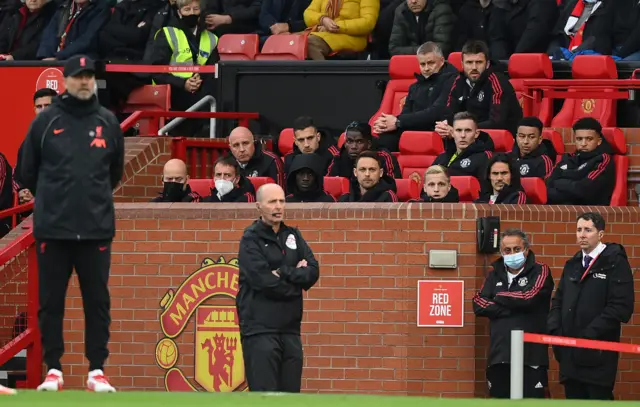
(514, 261)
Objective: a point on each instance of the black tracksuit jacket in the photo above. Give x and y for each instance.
(268, 304)
(383, 191)
(539, 163)
(243, 192)
(523, 305)
(187, 196)
(470, 162)
(72, 159)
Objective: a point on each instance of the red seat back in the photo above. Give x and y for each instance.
(336, 186)
(618, 142)
(415, 163)
(556, 139)
(285, 141)
(455, 59)
(260, 181)
(468, 187)
(341, 140)
(402, 69)
(421, 143)
(502, 140)
(532, 66)
(536, 190)
(615, 137)
(604, 110)
(407, 189)
(202, 186)
(149, 97)
(284, 47)
(238, 47)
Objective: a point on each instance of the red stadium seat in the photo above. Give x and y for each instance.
(260, 181)
(402, 69)
(238, 47)
(285, 141)
(284, 47)
(556, 140)
(618, 143)
(468, 187)
(502, 140)
(149, 97)
(415, 163)
(536, 190)
(532, 66)
(455, 59)
(407, 189)
(202, 186)
(604, 110)
(341, 140)
(421, 143)
(336, 186)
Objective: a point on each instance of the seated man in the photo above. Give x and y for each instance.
(254, 161)
(230, 185)
(176, 184)
(418, 21)
(166, 13)
(232, 17)
(482, 91)
(305, 181)
(586, 177)
(6, 193)
(281, 17)
(470, 150)
(307, 140)
(426, 100)
(358, 138)
(370, 183)
(533, 155)
(339, 26)
(22, 29)
(437, 186)
(73, 30)
(501, 184)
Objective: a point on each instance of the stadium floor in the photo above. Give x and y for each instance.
(142, 399)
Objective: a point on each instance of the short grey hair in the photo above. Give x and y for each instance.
(516, 232)
(429, 47)
(183, 3)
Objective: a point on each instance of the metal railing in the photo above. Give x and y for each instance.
(196, 106)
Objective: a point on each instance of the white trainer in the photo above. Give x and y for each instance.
(53, 381)
(7, 391)
(97, 382)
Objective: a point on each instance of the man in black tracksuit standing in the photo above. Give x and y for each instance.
(276, 265)
(594, 297)
(73, 158)
(515, 296)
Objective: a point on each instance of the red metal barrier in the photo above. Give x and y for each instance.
(581, 343)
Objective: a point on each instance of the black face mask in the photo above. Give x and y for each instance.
(190, 21)
(173, 191)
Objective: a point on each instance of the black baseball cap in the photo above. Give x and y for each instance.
(78, 64)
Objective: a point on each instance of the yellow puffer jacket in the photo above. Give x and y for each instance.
(356, 20)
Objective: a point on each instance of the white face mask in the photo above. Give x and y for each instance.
(224, 186)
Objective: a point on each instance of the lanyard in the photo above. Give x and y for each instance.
(589, 268)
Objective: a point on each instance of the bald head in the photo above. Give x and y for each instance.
(268, 192)
(175, 170)
(241, 143)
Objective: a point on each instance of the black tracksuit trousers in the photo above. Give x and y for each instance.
(273, 362)
(56, 261)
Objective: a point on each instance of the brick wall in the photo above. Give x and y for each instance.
(360, 329)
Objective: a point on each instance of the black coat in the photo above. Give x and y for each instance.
(435, 23)
(26, 45)
(265, 164)
(626, 30)
(470, 162)
(525, 28)
(522, 305)
(187, 196)
(384, 191)
(266, 303)
(343, 166)
(159, 21)
(244, 192)
(508, 195)
(538, 163)
(282, 11)
(327, 152)
(427, 99)
(315, 163)
(592, 306)
(598, 32)
(242, 12)
(73, 158)
(473, 23)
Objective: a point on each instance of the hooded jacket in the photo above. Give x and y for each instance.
(327, 152)
(317, 194)
(72, 159)
(22, 42)
(472, 161)
(583, 178)
(243, 192)
(592, 304)
(187, 196)
(539, 163)
(427, 99)
(383, 191)
(522, 305)
(344, 164)
(492, 101)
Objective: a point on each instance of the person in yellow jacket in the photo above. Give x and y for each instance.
(185, 41)
(339, 25)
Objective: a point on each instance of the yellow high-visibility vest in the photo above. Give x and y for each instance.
(182, 51)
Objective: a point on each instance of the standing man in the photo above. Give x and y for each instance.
(276, 264)
(516, 295)
(73, 158)
(594, 297)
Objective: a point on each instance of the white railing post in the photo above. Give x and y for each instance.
(517, 364)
